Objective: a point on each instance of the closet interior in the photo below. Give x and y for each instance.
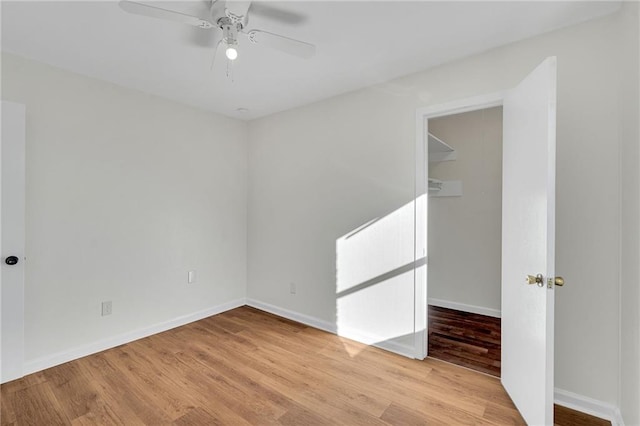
(464, 238)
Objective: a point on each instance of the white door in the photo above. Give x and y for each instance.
(528, 243)
(12, 167)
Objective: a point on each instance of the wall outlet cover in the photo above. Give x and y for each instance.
(106, 308)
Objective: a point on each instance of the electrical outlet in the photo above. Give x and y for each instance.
(106, 308)
(191, 277)
(292, 288)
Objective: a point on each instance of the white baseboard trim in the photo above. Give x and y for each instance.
(49, 361)
(397, 348)
(490, 312)
(390, 346)
(588, 405)
(292, 315)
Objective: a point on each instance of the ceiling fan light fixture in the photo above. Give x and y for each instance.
(231, 52)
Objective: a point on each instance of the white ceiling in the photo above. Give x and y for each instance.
(359, 43)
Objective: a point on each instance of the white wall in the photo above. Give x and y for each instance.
(629, 114)
(320, 171)
(317, 174)
(126, 192)
(464, 235)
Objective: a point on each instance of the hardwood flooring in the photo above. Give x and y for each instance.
(248, 367)
(465, 339)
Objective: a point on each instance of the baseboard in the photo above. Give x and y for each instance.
(388, 345)
(391, 346)
(49, 361)
(397, 348)
(292, 315)
(589, 406)
(466, 308)
(52, 360)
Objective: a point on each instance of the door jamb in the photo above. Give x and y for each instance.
(15, 151)
(421, 202)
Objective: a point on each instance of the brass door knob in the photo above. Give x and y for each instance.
(559, 281)
(535, 279)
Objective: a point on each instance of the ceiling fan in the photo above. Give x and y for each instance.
(231, 18)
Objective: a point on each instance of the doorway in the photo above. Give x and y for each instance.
(464, 239)
(528, 235)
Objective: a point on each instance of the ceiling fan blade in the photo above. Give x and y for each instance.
(157, 12)
(282, 43)
(195, 37)
(265, 10)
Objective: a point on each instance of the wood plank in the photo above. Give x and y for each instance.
(69, 385)
(101, 413)
(304, 417)
(131, 401)
(197, 416)
(37, 405)
(397, 415)
(503, 415)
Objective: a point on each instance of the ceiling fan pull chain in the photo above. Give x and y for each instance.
(230, 70)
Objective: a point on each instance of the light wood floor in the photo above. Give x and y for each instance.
(248, 367)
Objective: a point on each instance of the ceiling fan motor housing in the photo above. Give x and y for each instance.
(230, 30)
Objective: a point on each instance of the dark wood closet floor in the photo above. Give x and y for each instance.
(465, 339)
(473, 341)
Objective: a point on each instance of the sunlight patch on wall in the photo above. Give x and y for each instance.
(375, 280)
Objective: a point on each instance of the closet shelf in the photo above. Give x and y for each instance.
(440, 150)
(445, 188)
(435, 184)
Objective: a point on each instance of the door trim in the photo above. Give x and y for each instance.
(12, 192)
(421, 210)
